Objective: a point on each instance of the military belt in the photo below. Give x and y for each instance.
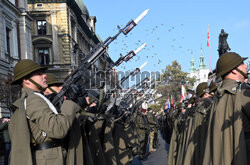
(46, 145)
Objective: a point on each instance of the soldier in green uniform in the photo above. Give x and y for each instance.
(157, 128)
(36, 127)
(152, 123)
(142, 130)
(195, 151)
(228, 124)
(73, 141)
(54, 85)
(174, 121)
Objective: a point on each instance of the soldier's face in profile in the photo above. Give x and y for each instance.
(41, 78)
(243, 68)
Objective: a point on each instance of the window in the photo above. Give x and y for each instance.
(41, 27)
(43, 54)
(7, 41)
(73, 29)
(13, 2)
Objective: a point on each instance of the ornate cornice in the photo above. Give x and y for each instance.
(74, 6)
(46, 1)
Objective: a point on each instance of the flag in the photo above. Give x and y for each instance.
(167, 107)
(183, 93)
(172, 102)
(208, 38)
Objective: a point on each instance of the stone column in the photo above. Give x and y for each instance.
(25, 36)
(55, 37)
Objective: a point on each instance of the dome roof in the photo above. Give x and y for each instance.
(82, 7)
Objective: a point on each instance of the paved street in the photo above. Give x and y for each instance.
(159, 157)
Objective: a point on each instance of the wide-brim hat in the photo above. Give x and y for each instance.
(52, 80)
(212, 87)
(227, 62)
(23, 68)
(201, 89)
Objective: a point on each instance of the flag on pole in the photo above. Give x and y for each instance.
(208, 38)
(167, 105)
(208, 45)
(183, 93)
(172, 102)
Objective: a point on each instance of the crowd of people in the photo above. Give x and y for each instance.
(212, 127)
(75, 131)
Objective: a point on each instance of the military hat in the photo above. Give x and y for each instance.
(24, 68)
(149, 109)
(212, 87)
(227, 62)
(52, 80)
(201, 89)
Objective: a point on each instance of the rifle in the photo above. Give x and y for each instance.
(127, 57)
(79, 74)
(133, 73)
(116, 101)
(145, 96)
(140, 96)
(138, 85)
(95, 93)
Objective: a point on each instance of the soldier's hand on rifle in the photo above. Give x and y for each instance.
(75, 94)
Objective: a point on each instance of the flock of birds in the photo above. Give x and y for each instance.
(151, 54)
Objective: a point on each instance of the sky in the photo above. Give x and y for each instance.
(172, 30)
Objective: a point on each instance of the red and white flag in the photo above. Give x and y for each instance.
(172, 102)
(208, 38)
(183, 93)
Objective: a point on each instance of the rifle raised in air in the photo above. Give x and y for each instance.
(81, 73)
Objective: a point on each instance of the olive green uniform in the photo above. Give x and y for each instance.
(173, 148)
(42, 126)
(197, 138)
(152, 123)
(228, 121)
(142, 130)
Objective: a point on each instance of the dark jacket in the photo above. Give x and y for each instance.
(4, 133)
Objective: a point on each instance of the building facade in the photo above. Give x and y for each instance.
(201, 74)
(62, 32)
(15, 44)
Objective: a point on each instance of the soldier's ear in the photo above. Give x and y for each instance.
(26, 82)
(234, 71)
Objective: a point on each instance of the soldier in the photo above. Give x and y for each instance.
(212, 88)
(36, 127)
(73, 141)
(157, 128)
(152, 123)
(228, 124)
(142, 130)
(174, 121)
(54, 85)
(197, 139)
(5, 138)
